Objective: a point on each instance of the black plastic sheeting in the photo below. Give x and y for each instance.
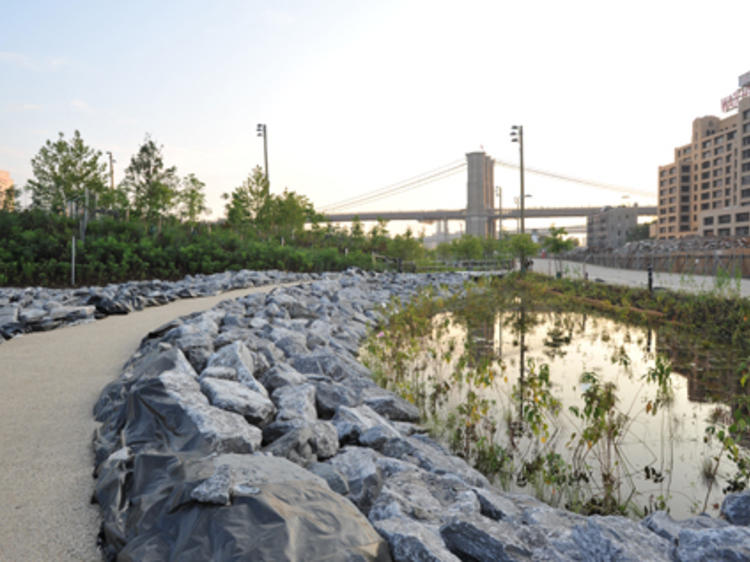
(283, 520)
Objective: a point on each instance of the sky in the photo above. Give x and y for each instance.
(360, 95)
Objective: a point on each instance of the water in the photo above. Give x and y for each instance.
(494, 387)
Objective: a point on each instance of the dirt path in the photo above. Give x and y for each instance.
(48, 385)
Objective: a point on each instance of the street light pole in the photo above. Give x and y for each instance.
(262, 131)
(516, 134)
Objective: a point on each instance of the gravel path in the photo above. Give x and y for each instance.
(49, 383)
(634, 278)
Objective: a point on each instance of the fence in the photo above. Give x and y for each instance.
(735, 262)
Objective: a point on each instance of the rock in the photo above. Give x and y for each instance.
(430, 456)
(363, 476)
(423, 496)
(295, 445)
(296, 401)
(736, 508)
(236, 397)
(411, 541)
(170, 411)
(720, 544)
(330, 395)
(477, 538)
(302, 442)
(215, 489)
(332, 476)
(281, 375)
(663, 525)
(393, 407)
(276, 511)
(605, 538)
(352, 422)
(238, 357)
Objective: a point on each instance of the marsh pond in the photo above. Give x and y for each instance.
(593, 398)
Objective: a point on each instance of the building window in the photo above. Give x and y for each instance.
(724, 219)
(704, 206)
(709, 232)
(723, 232)
(742, 230)
(745, 193)
(708, 221)
(742, 217)
(705, 196)
(746, 153)
(745, 180)
(730, 135)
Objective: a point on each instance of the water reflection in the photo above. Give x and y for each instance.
(639, 444)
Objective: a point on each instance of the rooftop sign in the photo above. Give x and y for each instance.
(732, 102)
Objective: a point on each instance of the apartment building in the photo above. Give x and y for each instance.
(609, 228)
(710, 176)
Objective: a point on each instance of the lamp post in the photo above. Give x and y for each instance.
(517, 201)
(516, 135)
(262, 131)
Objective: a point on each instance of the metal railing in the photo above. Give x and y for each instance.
(735, 262)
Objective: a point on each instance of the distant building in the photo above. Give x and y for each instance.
(610, 227)
(710, 176)
(5, 184)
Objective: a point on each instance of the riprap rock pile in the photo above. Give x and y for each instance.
(251, 431)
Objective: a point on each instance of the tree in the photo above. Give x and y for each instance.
(248, 199)
(555, 245)
(151, 187)
(192, 199)
(281, 217)
(63, 171)
(521, 246)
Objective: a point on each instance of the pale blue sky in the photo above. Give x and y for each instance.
(358, 95)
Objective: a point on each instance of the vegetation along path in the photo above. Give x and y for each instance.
(49, 383)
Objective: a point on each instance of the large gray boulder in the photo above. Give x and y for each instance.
(231, 507)
(235, 397)
(736, 508)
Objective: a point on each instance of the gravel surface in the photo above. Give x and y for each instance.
(49, 383)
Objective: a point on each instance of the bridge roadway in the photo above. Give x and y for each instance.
(460, 214)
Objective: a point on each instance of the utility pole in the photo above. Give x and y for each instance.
(262, 131)
(517, 136)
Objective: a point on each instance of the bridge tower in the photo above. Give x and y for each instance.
(480, 191)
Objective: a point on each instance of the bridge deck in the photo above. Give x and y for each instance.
(460, 214)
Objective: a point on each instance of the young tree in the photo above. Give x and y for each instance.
(152, 187)
(248, 199)
(555, 245)
(521, 246)
(192, 199)
(63, 171)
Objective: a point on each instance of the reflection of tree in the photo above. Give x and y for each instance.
(559, 335)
